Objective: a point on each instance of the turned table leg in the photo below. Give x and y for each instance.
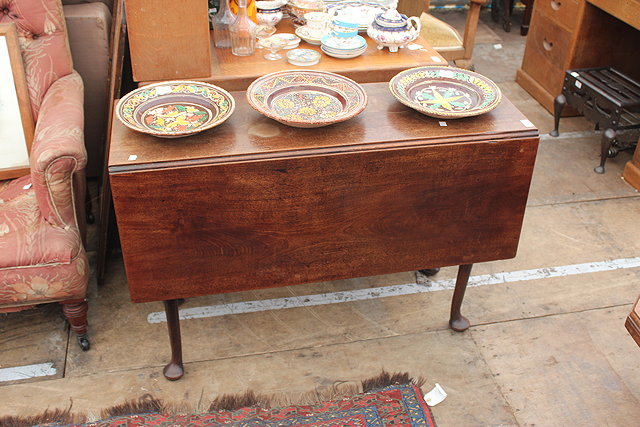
(174, 370)
(457, 321)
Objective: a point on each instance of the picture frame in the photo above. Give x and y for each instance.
(16, 120)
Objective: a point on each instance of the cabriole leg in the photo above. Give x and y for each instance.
(174, 369)
(457, 321)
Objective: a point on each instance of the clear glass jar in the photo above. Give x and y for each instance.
(243, 32)
(221, 23)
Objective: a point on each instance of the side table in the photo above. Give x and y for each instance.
(253, 203)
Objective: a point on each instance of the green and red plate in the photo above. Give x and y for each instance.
(175, 109)
(445, 92)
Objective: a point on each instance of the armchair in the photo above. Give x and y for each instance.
(443, 37)
(42, 256)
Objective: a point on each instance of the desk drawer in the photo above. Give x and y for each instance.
(549, 40)
(562, 12)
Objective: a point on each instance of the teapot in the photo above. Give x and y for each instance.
(393, 30)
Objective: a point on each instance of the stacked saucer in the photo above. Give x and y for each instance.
(343, 48)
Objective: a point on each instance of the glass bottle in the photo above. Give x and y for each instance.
(221, 23)
(243, 32)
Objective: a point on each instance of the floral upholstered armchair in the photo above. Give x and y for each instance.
(42, 257)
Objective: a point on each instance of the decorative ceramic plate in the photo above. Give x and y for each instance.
(445, 92)
(307, 99)
(174, 109)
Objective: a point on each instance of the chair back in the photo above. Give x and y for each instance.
(43, 40)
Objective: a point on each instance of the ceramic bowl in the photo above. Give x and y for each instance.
(175, 108)
(445, 92)
(303, 57)
(306, 98)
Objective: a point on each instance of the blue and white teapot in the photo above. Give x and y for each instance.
(393, 30)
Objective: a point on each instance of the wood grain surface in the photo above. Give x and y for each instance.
(364, 197)
(168, 40)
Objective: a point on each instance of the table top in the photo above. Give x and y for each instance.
(247, 135)
(237, 72)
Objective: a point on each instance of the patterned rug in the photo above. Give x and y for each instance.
(398, 404)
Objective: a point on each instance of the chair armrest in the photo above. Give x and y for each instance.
(58, 150)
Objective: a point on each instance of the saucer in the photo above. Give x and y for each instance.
(309, 36)
(348, 43)
(303, 57)
(292, 40)
(344, 55)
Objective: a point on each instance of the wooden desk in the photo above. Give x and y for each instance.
(572, 34)
(254, 204)
(237, 72)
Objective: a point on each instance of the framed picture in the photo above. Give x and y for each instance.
(16, 121)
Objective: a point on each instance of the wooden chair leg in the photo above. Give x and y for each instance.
(76, 314)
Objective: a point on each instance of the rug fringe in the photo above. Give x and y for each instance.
(48, 417)
(143, 405)
(338, 390)
(385, 379)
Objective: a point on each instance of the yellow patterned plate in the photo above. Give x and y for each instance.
(445, 92)
(175, 109)
(307, 99)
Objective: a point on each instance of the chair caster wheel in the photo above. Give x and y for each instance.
(430, 271)
(599, 169)
(554, 133)
(84, 342)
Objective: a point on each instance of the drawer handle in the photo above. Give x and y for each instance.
(547, 45)
(555, 5)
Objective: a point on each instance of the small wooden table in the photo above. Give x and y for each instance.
(253, 203)
(237, 72)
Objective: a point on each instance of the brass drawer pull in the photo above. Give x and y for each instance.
(555, 5)
(547, 45)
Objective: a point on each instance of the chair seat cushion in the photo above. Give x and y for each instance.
(39, 262)
(440, 35)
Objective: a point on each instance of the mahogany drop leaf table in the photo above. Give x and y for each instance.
(253, 203)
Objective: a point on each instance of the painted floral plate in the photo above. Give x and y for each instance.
(175, 109)
(445, 92)
(306, 98)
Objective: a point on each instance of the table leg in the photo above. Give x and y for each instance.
(457, 321)
(174, 370)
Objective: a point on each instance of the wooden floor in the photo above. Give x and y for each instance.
(547, 345)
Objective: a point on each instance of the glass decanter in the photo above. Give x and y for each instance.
(243, 32)
(221, 23)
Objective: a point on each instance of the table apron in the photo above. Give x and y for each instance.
(215, 228)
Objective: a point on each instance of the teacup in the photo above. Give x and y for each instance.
(344, 26)
(316, 21)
